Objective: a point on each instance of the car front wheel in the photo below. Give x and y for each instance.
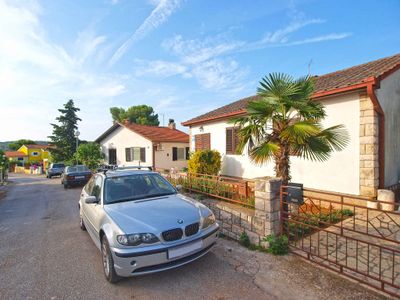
(82, 224)
(108, 262)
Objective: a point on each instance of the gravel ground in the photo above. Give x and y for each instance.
(44, 255)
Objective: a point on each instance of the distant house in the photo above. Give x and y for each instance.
(35, 153)
(17, 157)
(132, 144)
(365, 98)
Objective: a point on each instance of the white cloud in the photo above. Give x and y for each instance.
(158, 16)
(220, 75)
(204, 59)
(159, 68)
(322, 38)
(37, 76)
(281, 35)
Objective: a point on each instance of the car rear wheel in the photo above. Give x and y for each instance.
(65, 185)
(108, 262)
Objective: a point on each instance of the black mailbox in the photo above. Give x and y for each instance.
(295, 193)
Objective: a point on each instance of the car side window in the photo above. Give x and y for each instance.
(96, 190)
(89, 186)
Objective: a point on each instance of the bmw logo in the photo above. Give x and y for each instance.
(180, 221)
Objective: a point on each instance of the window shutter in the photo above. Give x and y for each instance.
(198, 142)
(128, 156)
(143, 154)
(202, 141)
(187, 153)
(174, 153)
(229, 141)
(206, 141)
(235, 140)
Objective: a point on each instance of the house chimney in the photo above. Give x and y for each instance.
(171, 124)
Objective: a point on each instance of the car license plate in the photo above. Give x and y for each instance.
(185, 249)
(79, 177)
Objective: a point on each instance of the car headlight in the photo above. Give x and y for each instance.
(136, 239)
(208, 221)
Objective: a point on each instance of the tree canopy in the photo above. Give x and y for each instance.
(63, 137)
(3, 160)
(139, 114)
(89, 154)
(17, 144)
(286, 122)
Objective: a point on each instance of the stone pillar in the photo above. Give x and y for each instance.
(369, 144)
(267, 203)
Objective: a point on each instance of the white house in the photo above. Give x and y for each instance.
(132, 144)
(365, 98)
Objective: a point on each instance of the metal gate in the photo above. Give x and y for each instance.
(355, 236)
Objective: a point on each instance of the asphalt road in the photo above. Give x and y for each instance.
(45, 255)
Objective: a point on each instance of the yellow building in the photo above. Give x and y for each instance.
(35, 153)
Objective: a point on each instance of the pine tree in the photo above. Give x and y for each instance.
(63, 137)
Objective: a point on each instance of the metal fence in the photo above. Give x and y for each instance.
(355, 236)
(229, 189)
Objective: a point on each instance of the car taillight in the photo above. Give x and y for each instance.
(70, 177)
(88, 176)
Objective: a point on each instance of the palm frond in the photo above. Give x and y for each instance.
(336, 137)
(277, 86)
(264, 152)
(319, 147)
(300, 131)
(261, 108)
(315, 149)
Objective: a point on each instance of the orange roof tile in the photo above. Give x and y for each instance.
(15, 154)
(152, 133)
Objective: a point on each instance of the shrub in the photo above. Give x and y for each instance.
(244, 239)
(278, 245)
(205, 162)
(89, 154)
(347, 212)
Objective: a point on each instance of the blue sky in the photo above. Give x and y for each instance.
(182, 57)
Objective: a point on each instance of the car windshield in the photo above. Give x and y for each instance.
(136, 187)
(58, 165)
(77, 169)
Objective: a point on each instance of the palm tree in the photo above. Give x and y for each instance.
(285, 121)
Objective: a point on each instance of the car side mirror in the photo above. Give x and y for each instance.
(179, 187)
(91, 200)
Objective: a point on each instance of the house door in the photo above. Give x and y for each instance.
(112, 156)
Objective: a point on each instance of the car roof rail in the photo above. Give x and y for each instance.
(121, 168)
(106, 168)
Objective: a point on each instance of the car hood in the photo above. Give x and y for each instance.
(155, 215)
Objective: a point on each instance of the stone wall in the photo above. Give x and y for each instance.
(257, 223)
(369, 146)
(234, 219)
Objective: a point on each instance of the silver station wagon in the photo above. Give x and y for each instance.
(141, 224)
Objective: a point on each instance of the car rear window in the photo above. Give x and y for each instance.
(77, 169)
(58, 165)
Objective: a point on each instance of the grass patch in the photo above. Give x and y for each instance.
(310, 220)
(278, 244)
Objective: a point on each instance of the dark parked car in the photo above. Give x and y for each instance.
(56, 169)
(75, 175)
